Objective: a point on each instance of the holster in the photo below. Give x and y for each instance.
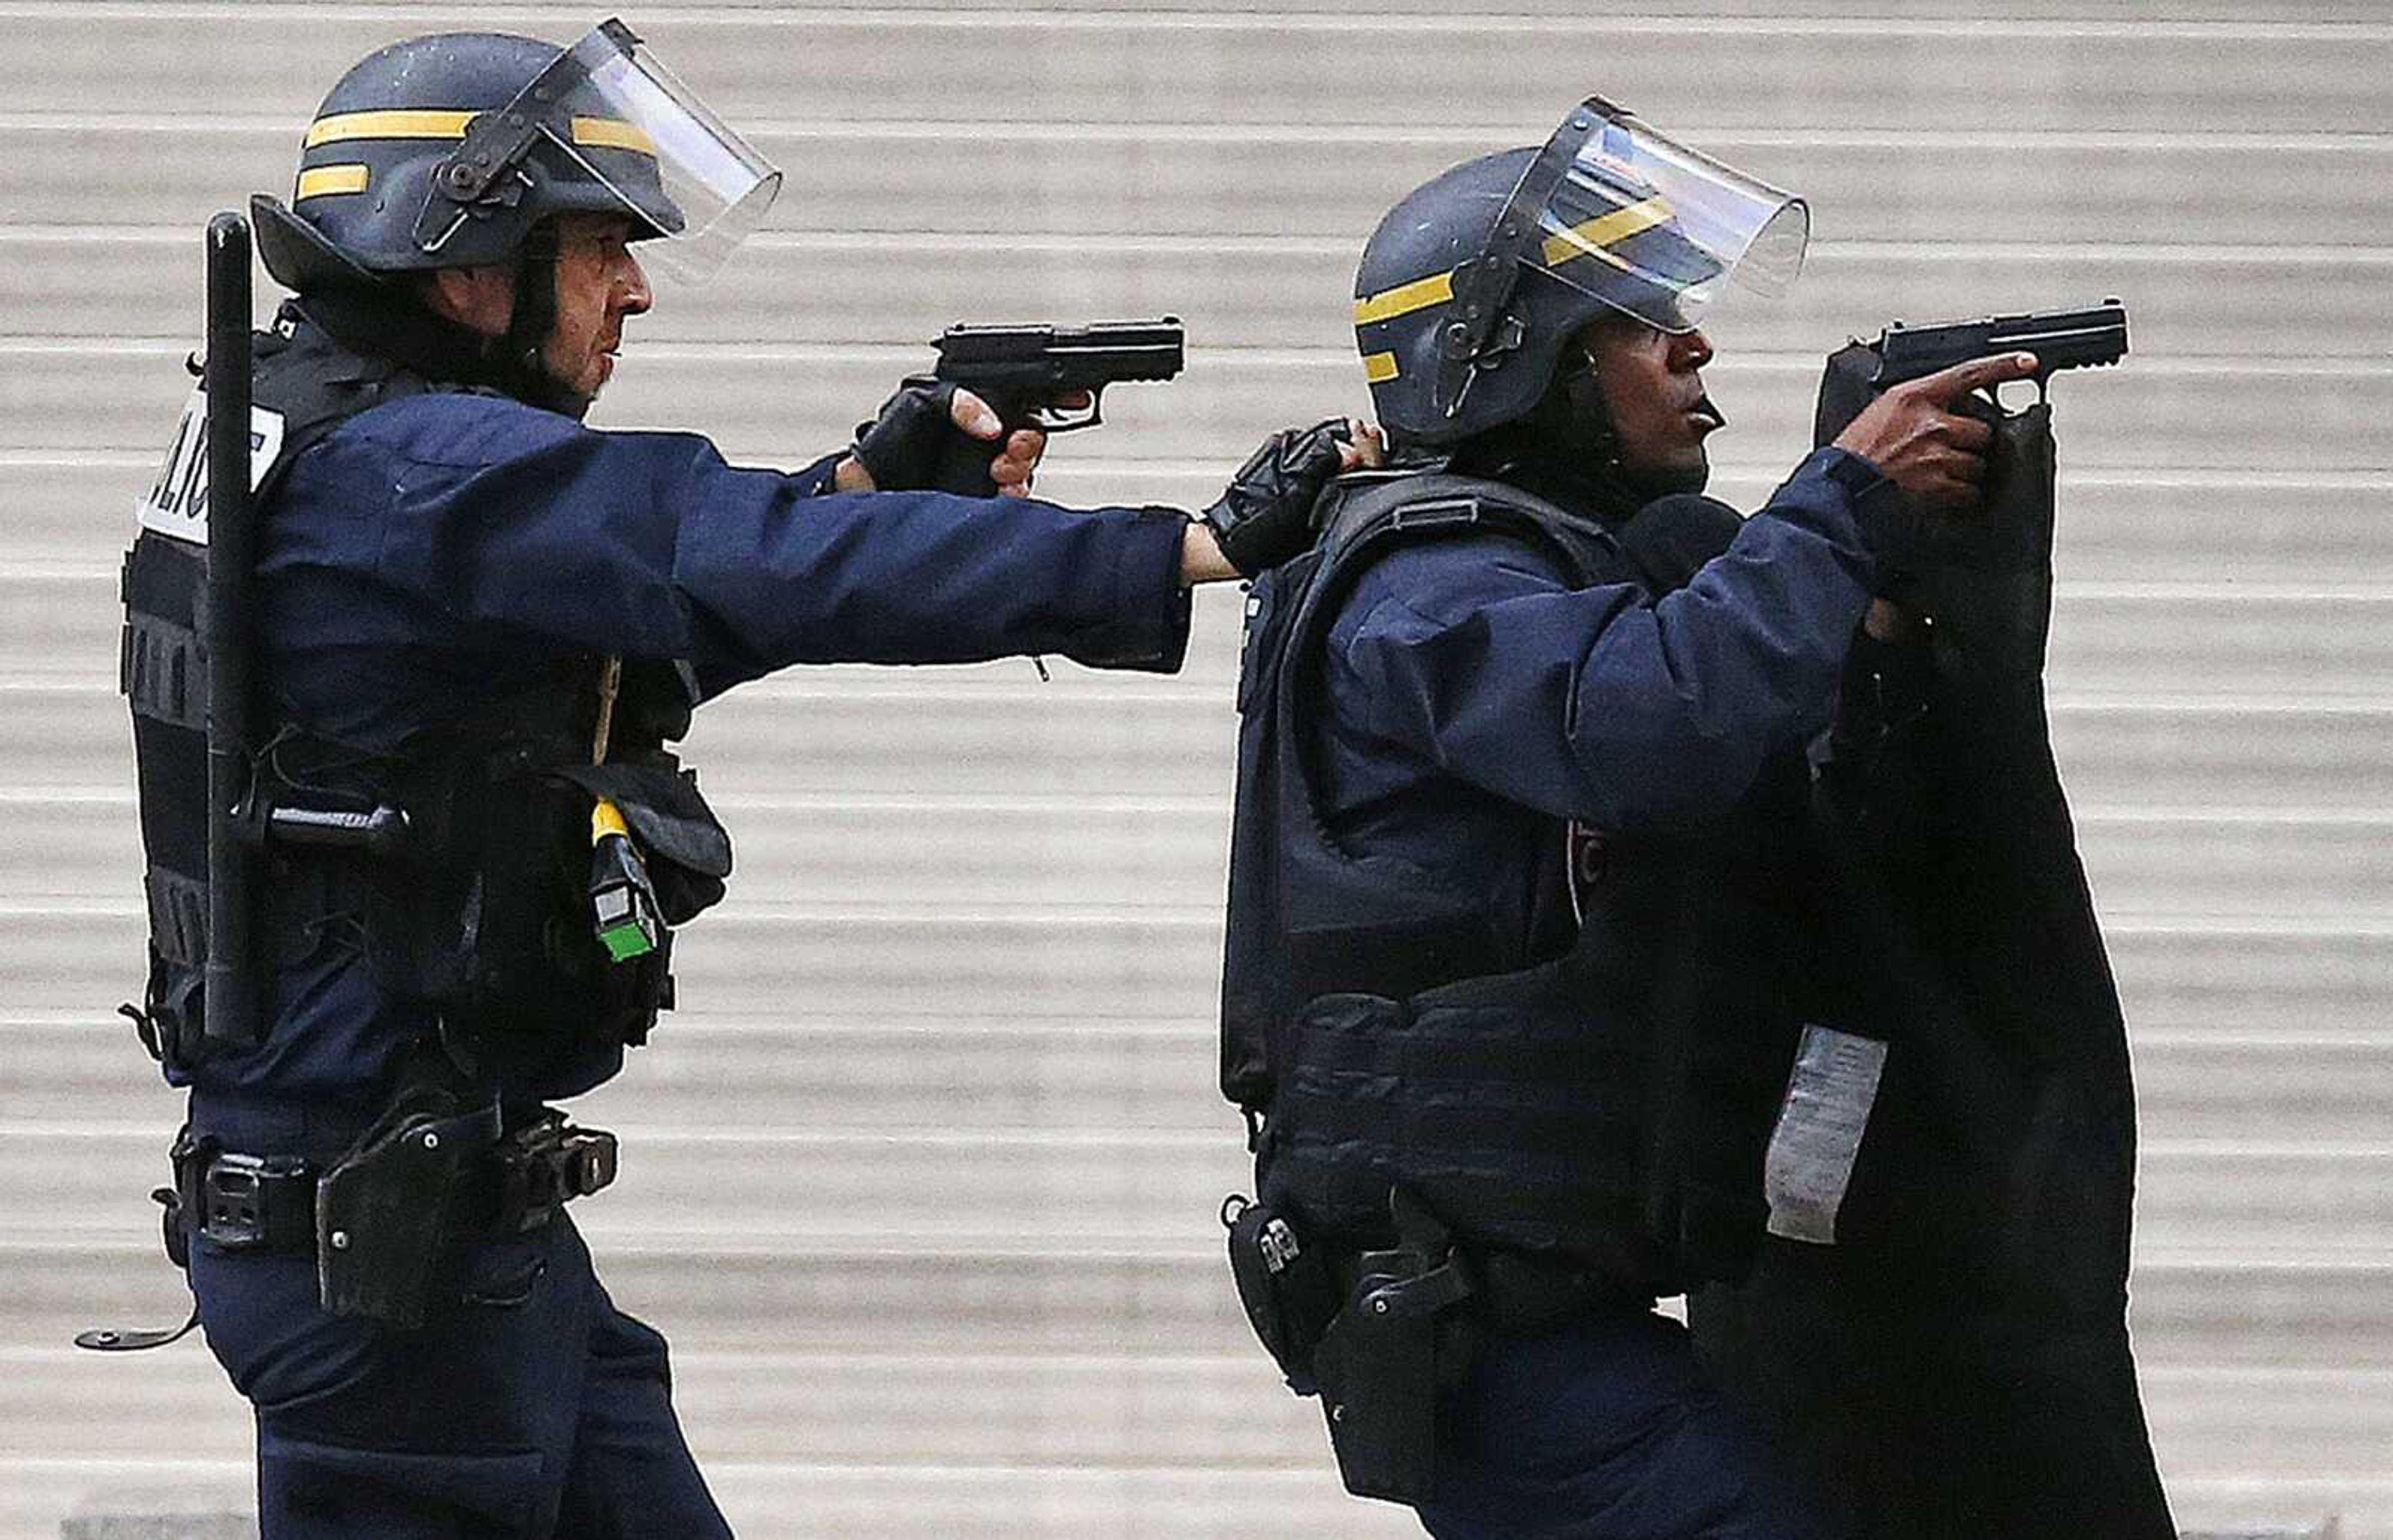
(1383, 1359)
(384, 1209)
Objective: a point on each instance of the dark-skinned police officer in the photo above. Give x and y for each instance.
(1522, 747)
(477, 623)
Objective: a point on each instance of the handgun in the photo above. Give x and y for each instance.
(1027, 374)
(1037, 377)
(2059, 339)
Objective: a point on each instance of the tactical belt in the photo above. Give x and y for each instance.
(268, 1202)
(1523, 1294)
(1515, 1293)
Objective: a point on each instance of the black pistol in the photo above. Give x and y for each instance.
(2059, 339)
(1023, 371)
(1033, 377)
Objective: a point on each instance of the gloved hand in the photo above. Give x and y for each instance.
(1922, 436)
(1937, 446)
(1264, 516)
(932, 434)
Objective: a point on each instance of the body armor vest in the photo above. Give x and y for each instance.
(1376, 1033)
(478, 906)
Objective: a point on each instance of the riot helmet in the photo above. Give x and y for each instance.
(449, 151)
(1473, 284)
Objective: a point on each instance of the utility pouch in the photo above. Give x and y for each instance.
(1379, 1364)
(1284, 1285)
(382, 1209)
(687, 851)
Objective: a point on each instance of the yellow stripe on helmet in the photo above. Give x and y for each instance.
(1589, 237)
(322, 181)
(427, 124)
(1402, 300)
(393, 124)
(1379, 368)
(613, 134)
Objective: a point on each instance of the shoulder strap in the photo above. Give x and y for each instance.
(1376, 511)
(315, 384)
(1368, 519)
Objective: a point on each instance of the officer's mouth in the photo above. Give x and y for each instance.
(1706, 417)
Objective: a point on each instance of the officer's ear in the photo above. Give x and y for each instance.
(479, 299)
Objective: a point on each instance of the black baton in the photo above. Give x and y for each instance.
(232, 1002)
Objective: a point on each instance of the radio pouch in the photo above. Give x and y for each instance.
(1284, 1285)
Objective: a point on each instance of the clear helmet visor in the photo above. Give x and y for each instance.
(634, 129)
(1652, 226)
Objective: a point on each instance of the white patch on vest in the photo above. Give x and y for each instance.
(1829, 1095)
(176, 503)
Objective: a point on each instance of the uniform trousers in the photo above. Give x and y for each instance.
(526, 1406)
(1606, 1429)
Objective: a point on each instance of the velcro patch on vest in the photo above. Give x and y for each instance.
(1818, 1136)
(176, 503)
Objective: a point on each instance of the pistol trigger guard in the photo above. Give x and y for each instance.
(1054, 419)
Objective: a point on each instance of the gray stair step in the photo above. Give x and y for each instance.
(828, 732)
(786, 404)
(2232, 643)
(752, 959)
(1283, 291)
(1033, 1294)
(785, 1500)
(789, 1499)
(2285, 1198)
(1076, 1072)
(1182, 69)
(2281, 529)
(1135, 852)
(1113, 175)
(894, 1073)
(1111, 1413)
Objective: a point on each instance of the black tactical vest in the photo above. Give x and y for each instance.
(1376, 1032)
(481, 913)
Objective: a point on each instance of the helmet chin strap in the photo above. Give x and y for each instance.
(521, 351)
(1573, 429)
(1565, 448)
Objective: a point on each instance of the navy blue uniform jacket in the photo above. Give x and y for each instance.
(1474, 699)
(434, 553)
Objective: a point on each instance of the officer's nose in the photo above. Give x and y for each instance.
(1690, 350)
(631, 287)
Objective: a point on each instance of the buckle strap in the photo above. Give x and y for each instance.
(547, 1164)
(126, 1339)
(251, 1203)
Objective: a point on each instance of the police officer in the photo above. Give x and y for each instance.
(1515, 890)
(477, 623)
